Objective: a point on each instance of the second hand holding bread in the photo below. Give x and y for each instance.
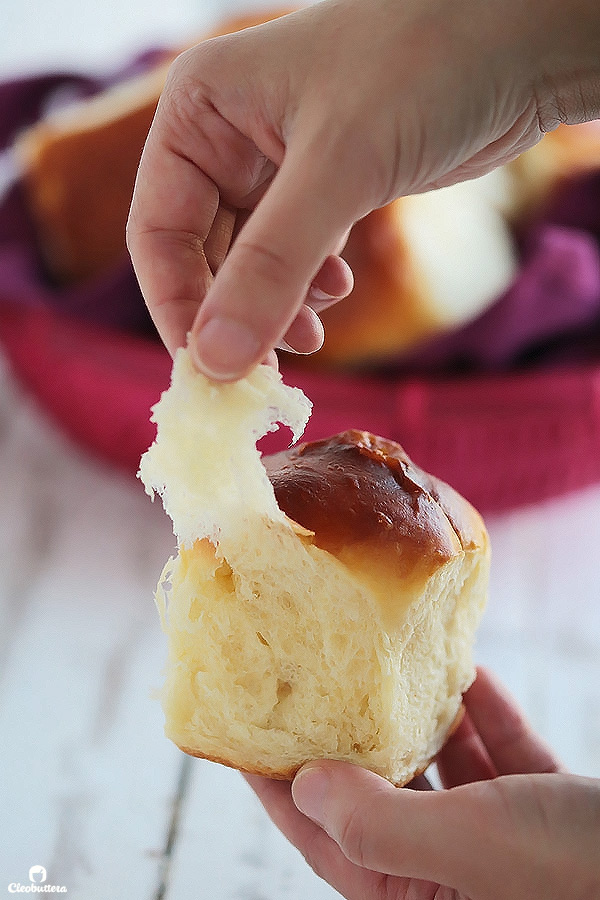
(325, 611)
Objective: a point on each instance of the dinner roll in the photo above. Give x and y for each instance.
(570, 151)
(326, 609)
(430, 263)
(423, 265)
(79, 164)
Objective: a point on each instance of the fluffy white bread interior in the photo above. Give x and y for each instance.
(423, 264)
(280, 650)
(447, 230)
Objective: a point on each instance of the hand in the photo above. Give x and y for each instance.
(512, 825)
(269, 144)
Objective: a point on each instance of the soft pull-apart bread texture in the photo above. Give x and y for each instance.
(327, 609)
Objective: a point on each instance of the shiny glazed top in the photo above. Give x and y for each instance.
(361, 493)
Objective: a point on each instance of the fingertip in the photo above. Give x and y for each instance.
(372, 822)
(321, 789)
(271, 359)
(310, 788)
(306, 333)
(333, 282)
(224, 348)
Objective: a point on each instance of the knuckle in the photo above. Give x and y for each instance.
(182, 103)
(185, 243)
(353, 837)
(265, 262)
(314, 854)
(176, 242)
(186, 93)
(191, 63)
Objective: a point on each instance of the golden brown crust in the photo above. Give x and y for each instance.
(289, 774)
(266, 771)
(387, 311)
(361, 493)
(567, 152)
(277, 774)
(79, 183)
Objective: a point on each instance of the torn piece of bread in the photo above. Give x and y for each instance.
(325, 611)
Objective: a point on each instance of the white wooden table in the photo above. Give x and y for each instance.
(89, 787)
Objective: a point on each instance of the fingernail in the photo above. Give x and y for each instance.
(317, 294)
(224, 348)
(283, 345)
(309, 790)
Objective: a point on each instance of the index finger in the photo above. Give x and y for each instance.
(173, 208)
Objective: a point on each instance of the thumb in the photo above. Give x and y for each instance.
(436, 836)
(262, 284)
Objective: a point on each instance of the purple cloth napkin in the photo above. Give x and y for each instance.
(550, 313)
(113, 299)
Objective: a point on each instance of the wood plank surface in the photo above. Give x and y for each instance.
(87, 780)
(89, 786)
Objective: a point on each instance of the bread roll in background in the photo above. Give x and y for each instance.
(79, 165)
(567, 152)
(423, 265)
(325, 611)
